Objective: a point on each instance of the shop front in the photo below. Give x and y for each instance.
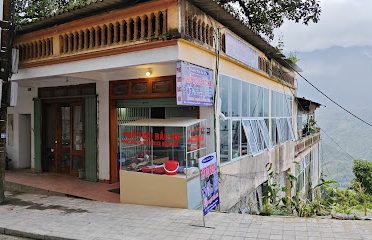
(149, 98)
(157, 136)
(159, 161)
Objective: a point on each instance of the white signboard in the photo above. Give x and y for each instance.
(195, 85)
(241, 51)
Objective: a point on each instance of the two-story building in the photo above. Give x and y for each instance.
(184, 76)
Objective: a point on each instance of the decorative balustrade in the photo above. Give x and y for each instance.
(264, 65)
(197, 29)
(140, 28)
(38, 49)
(306, 142)
(134, 29)
(278, 72)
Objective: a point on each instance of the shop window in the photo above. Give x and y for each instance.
(236, 94)
(225, 95)
(257, 134)
(236, 139)
(282, 129)
(245, 130)
(147, 146)
(266, 108)
(225, 143)
(244, 146)
(245, 99)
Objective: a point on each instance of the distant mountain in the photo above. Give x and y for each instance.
(344, 74)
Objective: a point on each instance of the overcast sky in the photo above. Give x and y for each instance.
(343, 23)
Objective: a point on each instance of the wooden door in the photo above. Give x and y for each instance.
(64, 138)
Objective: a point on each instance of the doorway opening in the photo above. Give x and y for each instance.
(63, 145)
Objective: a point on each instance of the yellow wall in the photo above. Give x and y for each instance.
(153, 189)
(198, 55)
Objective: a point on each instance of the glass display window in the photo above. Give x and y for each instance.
(163, 146)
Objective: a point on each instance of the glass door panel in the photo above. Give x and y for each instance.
(65, 139)
(66, 121)
(77, 139)
(78, 129)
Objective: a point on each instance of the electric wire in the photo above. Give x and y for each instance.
(329, 98)
(332, 139)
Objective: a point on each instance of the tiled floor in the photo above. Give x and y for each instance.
(65, 184)
(54, 217)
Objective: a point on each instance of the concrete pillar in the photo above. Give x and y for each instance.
(103, 130)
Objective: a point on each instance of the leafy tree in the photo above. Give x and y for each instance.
(266, 15)
(31, 10)
(362, 170)
(262, 15)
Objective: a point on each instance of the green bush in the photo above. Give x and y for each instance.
(343, 208)
(362, 170)
(305, 209)
(266, 209)
(320, 207)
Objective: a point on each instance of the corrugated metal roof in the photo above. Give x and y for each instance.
(306, 103)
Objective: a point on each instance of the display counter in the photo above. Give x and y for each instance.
(159, 162)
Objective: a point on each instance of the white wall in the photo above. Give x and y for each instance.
(208, 114)
(103, 130)
(25, 106)
(24, 121)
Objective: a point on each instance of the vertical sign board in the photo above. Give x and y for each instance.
(241, 51)
(195, 85)
(209, 182)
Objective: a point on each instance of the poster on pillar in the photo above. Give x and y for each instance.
(195, 86)
(209, 182)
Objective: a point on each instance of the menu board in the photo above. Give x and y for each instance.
(241, 51)
(195, 85)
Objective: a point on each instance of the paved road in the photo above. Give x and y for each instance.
(65, 217)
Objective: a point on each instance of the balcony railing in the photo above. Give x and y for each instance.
(99, 36)
(306, 143)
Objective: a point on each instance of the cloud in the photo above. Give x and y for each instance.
(343, 23)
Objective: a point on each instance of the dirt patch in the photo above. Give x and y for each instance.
(12, 201)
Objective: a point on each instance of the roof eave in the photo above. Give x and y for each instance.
(213, 9)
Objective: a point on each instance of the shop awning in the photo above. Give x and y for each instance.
(171, 122)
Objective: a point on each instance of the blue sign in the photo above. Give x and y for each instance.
(195, 85)
(209, 182)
